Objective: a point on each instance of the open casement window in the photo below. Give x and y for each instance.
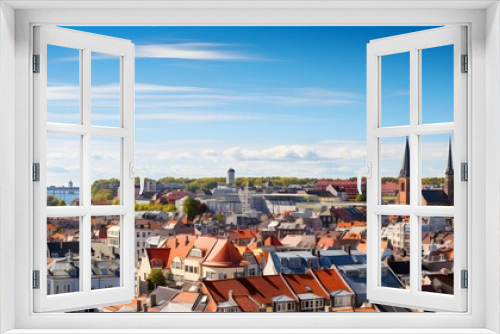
(422, 225)
(82, 139)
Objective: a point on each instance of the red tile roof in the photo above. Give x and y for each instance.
(243, 234)
(331, 280)
(179, 246)
(224, 255)
(159, 254)
(261, 288)
(272, 241)
(305, 283)
(246, 304)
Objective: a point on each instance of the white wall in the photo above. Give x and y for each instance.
(7, 160)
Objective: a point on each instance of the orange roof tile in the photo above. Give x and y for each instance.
(161, 254)
(246, 304)
(272, 241)
(261, 288)
(224, 255)
(331, 280)
(305, 283)
(185, 297)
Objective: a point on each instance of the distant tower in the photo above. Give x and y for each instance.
(404, 177)
(230, 178)
(245, 199)
(448, 188)
(70, 184)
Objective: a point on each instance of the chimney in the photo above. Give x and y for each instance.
(139, 305)
(152, 299)
(231, 295)
(187, 240)
(176, 242)
(146, 308)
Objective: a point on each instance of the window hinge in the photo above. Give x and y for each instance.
(36, 279)
(36, 172)
(464, 171)
(465, 279)
(465, 64)
(36, 63)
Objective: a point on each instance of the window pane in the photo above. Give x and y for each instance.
(395, 170)
(395, 89)
(437, 254)
(437, 84)
(105, 90)
(105, 254)
(395, 251)
(63, 255)
(63, 85)
(105, 170)
(63, 169)
(437, 169)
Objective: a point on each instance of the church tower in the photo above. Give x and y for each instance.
(448, 187)
(404, 177)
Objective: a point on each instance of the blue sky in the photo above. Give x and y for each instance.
(263, 100)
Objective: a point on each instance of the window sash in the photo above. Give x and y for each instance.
(413, 43)
(86, 43)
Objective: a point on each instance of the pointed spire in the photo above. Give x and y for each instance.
(405, 166)
(449, 166)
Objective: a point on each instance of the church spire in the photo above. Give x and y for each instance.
(405, 166)
(449, 166)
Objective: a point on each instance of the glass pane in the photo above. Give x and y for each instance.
(63, 169)
(437, 170)
(437, 254)
(105, 170)
(63, 85)
(395, 89)
(395, 251)
(105, 253)
(437, 84)
(63, 255)
(395, 170)
(105, 90)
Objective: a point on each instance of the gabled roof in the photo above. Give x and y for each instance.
(246, 304)
(223, 255)
(331, 280)
(260, 288)
(162, 254)
(272, 241)
(179, 245)
(243, 234)
(302, 284)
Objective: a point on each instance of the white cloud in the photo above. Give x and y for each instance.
(191, 51)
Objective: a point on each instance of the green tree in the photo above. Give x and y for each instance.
(169, 208)
(156, 279)
(61, 202)
(360, 198)
(51, 198)
(191, 207)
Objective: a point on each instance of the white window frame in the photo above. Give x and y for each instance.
(413, 43)
(86, 43)
(481, 17)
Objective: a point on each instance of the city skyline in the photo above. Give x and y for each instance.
(264, 100)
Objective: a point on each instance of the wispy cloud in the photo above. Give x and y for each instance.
(193, 51)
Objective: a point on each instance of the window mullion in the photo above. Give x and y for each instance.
(85, 245)
(415, 88)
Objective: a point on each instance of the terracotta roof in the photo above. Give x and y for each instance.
(179, 246)
(261, 288)
(331, 280)
(223, 255)
(246, 304)
(272, 241)
(305, 283)
(161, 254)
(243, 234)
(185, 297)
